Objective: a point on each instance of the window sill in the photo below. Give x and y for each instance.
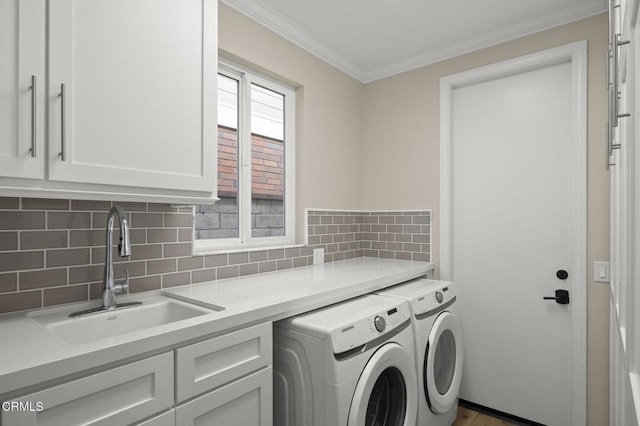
(203, 251)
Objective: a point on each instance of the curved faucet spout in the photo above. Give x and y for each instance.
(124, 249)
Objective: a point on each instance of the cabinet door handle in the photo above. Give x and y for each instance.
(63, 139)
(609, 147)
(33, 116)
(615, 114)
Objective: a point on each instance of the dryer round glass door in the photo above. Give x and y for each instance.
(443, 363)
(386, 391)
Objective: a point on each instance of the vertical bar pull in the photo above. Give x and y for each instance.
(610, 146)
(63, 141)
(32, 150)
(614, 92)
(607, 157)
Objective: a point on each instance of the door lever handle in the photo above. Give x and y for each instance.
(561, 297)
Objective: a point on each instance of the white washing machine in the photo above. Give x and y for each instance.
(348, 364)
(438, 344)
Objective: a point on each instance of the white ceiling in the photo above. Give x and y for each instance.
(373, 39)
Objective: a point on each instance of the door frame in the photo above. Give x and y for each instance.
(576, 54)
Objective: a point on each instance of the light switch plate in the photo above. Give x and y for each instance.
(601, 272)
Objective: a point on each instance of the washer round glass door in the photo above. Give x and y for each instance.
(386, 391)
(443, 363)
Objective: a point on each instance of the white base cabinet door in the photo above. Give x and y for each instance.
(132, 93)
(22, 81)
(120, 396)
(245, 402)
(206, 365)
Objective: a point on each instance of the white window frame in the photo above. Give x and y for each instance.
(246, 77)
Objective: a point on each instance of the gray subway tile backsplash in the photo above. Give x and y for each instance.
(238, 258)
(190, 263)
(7, 203)
(44, 204)
(70, 220)
(249, 269)
(8, 241)
(30, 280)
(52, 251)
(161, 235)
(66, 294)
(203, 275)
(153, 282)
(179, 220)
(22, 300)
(14, 220)
(176, 279)
(371, 233)
(8, 282)
(89, 205)
(177, 250)
(68, 257)
(86, 237)
(21, 260)
(161, 266)
(86, 274)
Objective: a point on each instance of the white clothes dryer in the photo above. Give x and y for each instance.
(438, 344)
(349, 364)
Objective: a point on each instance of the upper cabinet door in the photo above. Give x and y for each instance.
(138, 106)
(22, 55)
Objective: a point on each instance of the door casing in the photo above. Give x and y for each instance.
(576, 53)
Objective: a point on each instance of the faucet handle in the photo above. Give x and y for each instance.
(124, 285)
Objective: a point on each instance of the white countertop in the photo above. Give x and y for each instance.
(30, 354)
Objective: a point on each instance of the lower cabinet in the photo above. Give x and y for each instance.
(120, 396)
(212, 363)
(164, 419)
(238, 366)
(226, 380)
(247, 401)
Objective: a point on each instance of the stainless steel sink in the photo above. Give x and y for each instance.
(153, 312)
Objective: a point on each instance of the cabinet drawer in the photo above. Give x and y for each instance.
(245, 402)
(165, 419)
(212, 363)
(118, 396)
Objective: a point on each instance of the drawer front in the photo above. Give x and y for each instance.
(165, 419)
(245, 402)
(119, 396)
(212, 363)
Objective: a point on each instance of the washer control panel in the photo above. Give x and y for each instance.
(433, 299)
(380, 323)
(364, 330)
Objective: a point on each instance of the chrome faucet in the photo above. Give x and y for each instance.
(124, 249)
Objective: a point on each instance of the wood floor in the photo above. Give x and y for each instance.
(467, 417)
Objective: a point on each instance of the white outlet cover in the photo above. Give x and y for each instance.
(318, 256)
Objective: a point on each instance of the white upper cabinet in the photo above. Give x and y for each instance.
(22, 53)
(131, 97)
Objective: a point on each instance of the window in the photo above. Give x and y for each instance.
(255, 165)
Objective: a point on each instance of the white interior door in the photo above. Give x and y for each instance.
(516, 198)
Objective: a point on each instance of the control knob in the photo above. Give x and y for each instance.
(439, 296)
(380, 323)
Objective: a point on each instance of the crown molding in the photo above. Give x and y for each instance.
(292, 32)
(552, 20)
(258, 12)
